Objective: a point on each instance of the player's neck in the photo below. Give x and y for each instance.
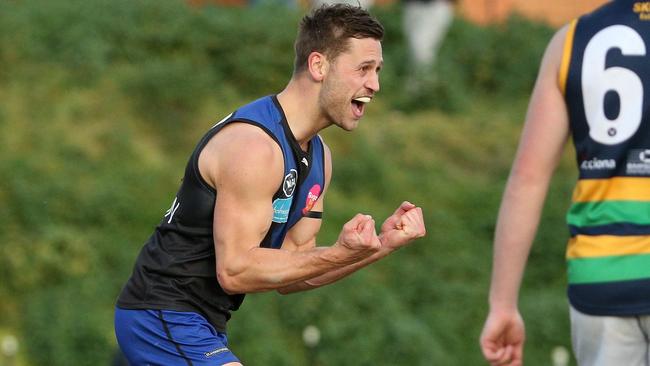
(299, 100)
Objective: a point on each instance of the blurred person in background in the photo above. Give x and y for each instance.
(248, 210)
(366, 4)
(593, 85)
(425, 24)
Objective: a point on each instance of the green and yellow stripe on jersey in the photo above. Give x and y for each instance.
(609, 220)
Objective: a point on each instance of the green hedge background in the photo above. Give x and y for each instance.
(101, 103)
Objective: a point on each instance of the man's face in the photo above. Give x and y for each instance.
(351, 82)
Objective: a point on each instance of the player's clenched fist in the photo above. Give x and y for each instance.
(403, 226)
(358, 237)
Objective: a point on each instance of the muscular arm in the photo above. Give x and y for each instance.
(540, 148)
(337, 274)
(303, 237)
(246, 166)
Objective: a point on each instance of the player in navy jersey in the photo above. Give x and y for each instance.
(594, 86)
(249, 207)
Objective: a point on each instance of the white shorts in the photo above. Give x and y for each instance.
(610, 340)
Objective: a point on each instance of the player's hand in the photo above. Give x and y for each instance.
(358, 237)
(502, 339)
(403, 226)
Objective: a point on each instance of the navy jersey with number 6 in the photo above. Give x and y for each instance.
(176, 269)
(605, 76)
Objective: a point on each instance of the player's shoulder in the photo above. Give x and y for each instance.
(248, 140)
(560, 37)
(557, 46)
(244, 147)
(246, 156)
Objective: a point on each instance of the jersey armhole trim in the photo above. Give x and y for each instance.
(322, 152)
(566, 56)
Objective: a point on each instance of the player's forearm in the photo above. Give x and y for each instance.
(334, 275)
(516, 227)
(508, 268)
(265, 269)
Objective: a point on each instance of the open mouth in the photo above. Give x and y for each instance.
(358, 105)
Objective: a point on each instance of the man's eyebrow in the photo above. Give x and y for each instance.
(372, 62)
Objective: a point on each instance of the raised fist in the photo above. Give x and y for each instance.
(403, 226)
(358, 237)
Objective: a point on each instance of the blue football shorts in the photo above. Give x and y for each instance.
(170, 338)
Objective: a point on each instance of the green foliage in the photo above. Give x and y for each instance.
(506, 62)
(102, 101)
(65, 329)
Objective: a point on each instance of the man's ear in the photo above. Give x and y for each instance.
(318, 65)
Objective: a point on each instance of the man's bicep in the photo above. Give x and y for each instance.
(241, 220)
(302, 235)
(249, 174)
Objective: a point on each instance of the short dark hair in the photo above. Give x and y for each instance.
(328, 29)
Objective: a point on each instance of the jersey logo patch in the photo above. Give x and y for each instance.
(289, 184)
(638, 162)
(217, 351)
(281, 207)
(312, 197)
(172, 210)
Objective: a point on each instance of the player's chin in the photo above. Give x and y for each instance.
(353, 125)
(349, 125)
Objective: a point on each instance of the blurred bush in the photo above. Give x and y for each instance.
(168, 55)
(102, 101)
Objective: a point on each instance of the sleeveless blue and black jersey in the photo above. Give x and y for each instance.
(176, 268)
(605, 75)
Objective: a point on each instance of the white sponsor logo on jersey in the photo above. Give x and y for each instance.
(598, 164)
(638, 162)
(172, 210)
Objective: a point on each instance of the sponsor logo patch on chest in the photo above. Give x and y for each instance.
(281, 208)
(638, 162)
(312, 197)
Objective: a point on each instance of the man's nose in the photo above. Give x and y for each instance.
(372, 82)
